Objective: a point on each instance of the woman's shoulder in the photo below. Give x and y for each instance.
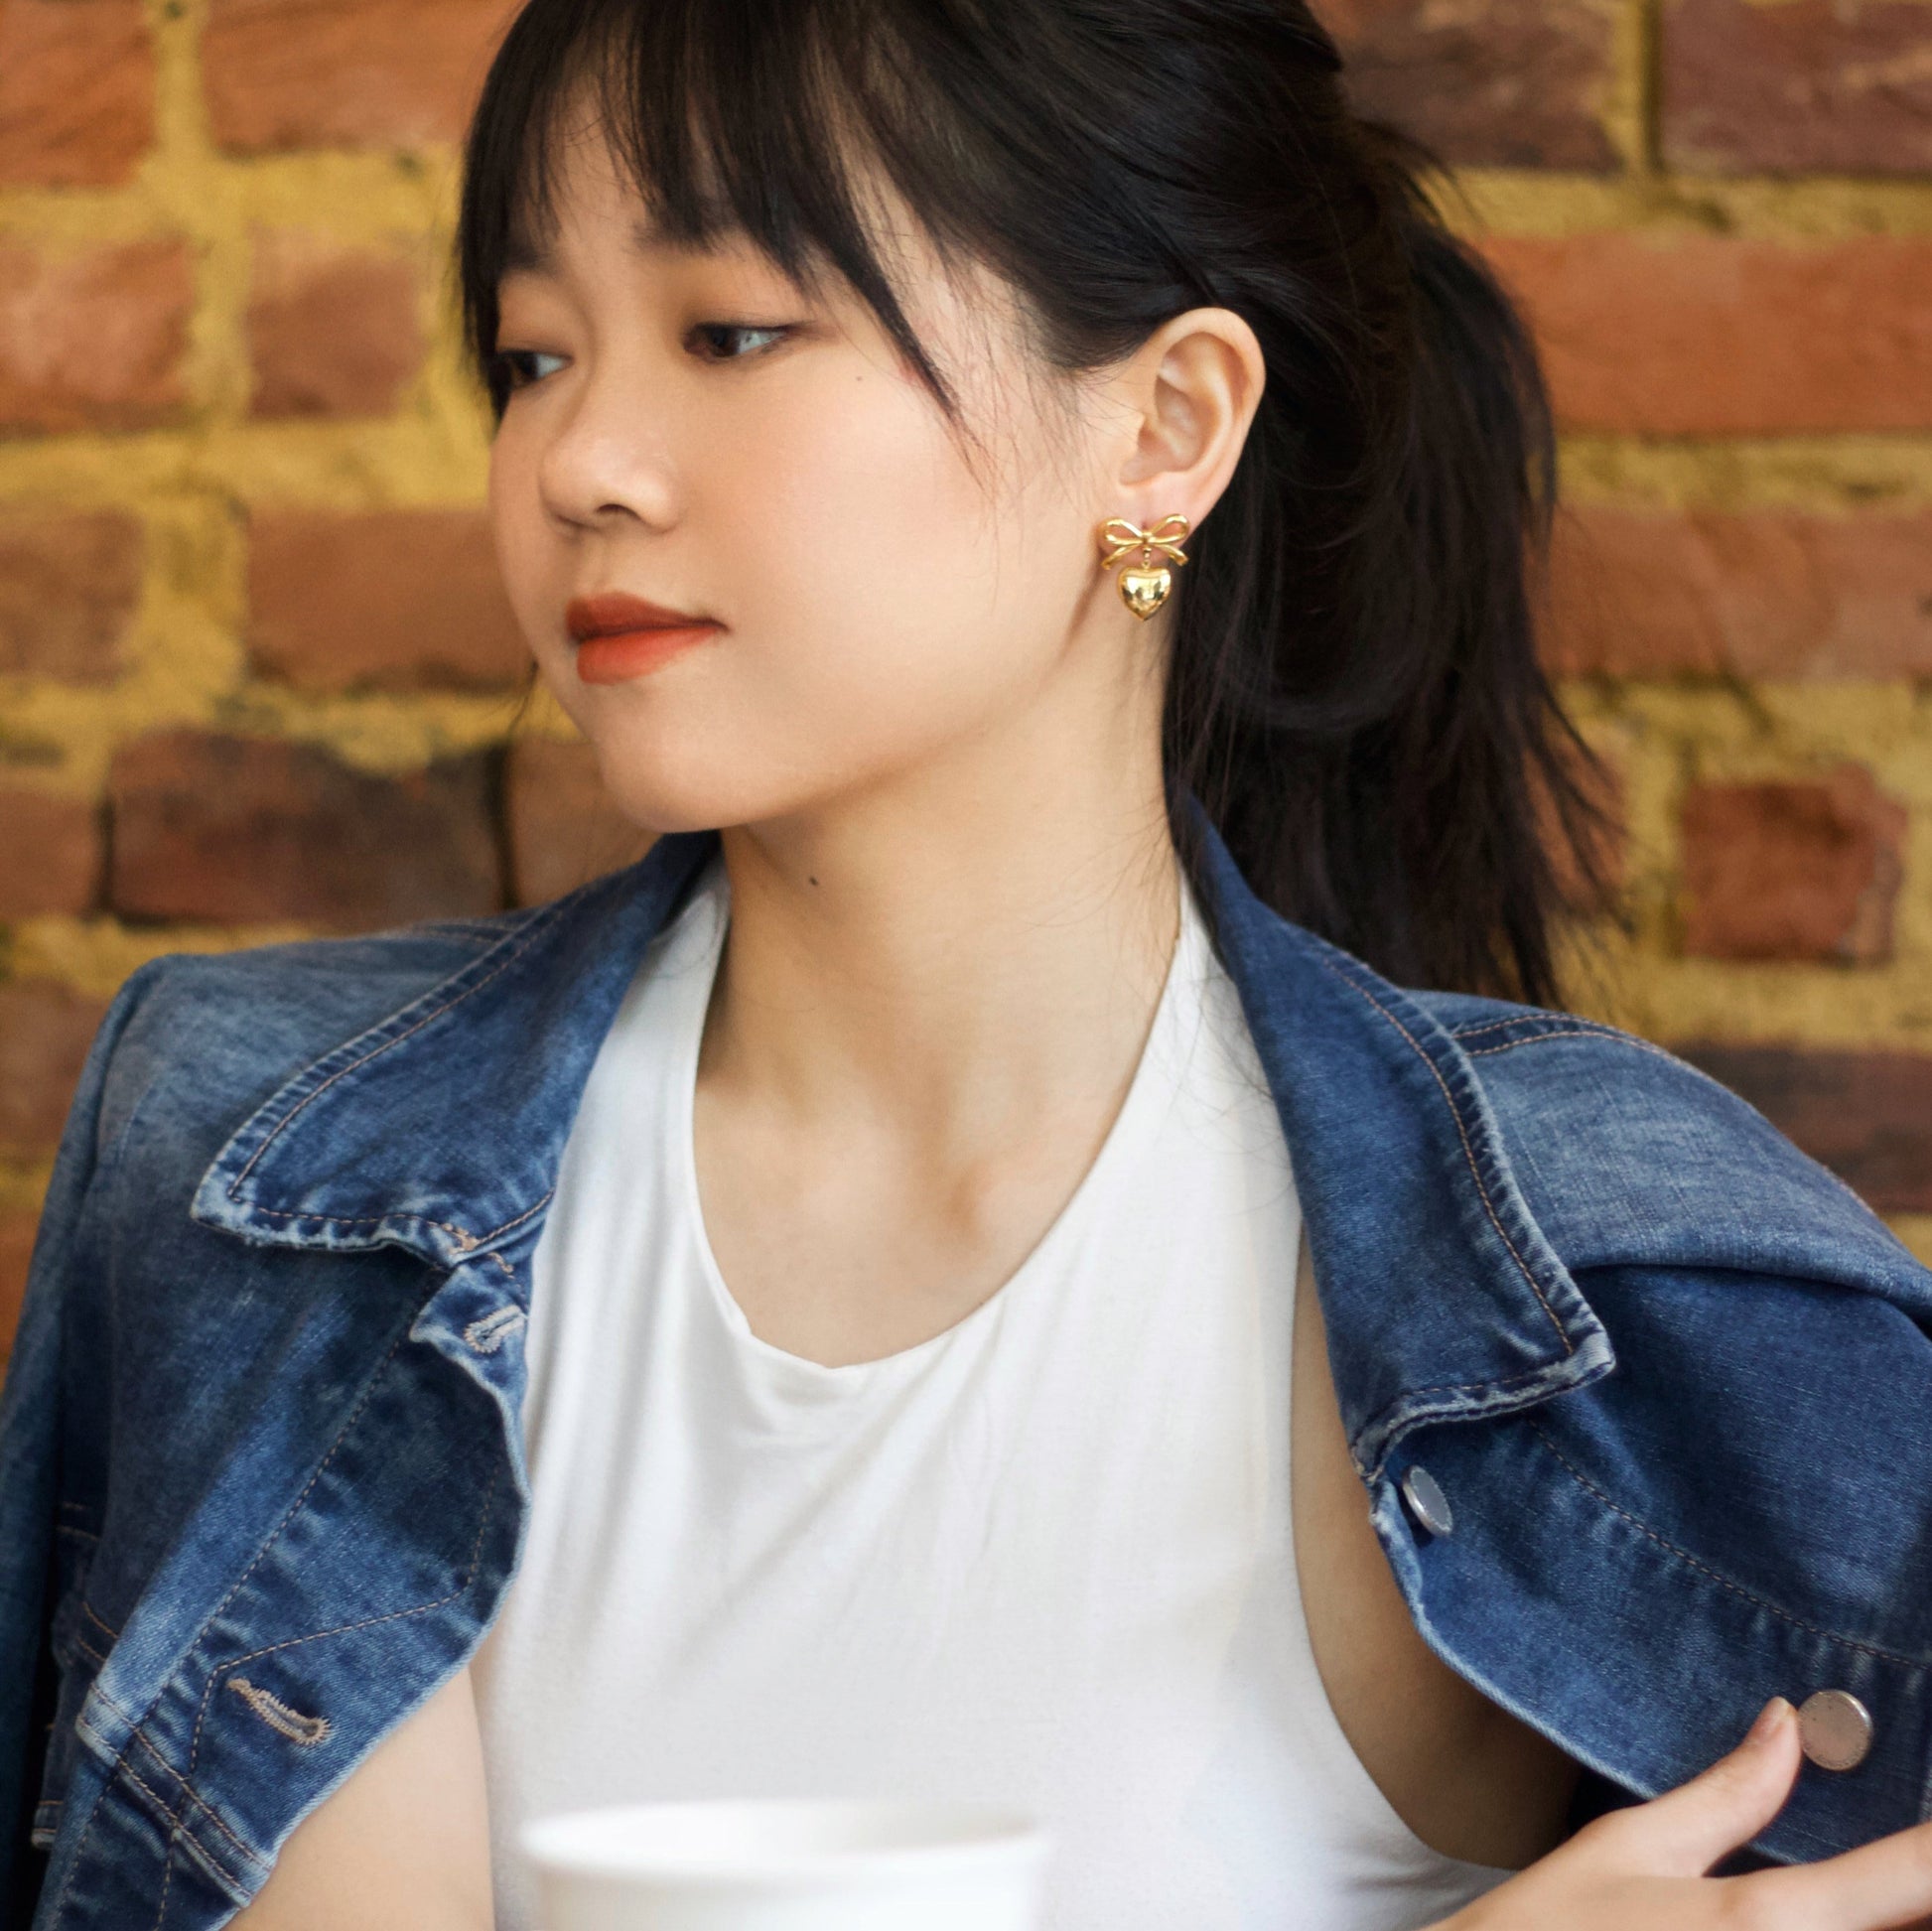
(1629, 1154)
(1735, 1505)
(219, 1026)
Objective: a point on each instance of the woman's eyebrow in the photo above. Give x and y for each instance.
(724, 235)
(528, 255)
(528, 250)
(533, 251)
(646, 237)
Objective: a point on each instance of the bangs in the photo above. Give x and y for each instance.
(753, 119)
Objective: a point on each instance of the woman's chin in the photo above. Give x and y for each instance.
(662, 796)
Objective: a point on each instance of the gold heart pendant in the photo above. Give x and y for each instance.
(1145, 587)
(1145, 591)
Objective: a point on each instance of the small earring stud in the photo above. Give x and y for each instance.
(1145, 586)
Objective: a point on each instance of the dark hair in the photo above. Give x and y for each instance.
(1355, 695)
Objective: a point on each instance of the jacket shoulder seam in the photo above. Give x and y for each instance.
(485, 932)
(1560, 1028)
(1572, 1032)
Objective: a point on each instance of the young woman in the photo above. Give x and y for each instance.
(965, 1271)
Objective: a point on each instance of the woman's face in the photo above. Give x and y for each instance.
(687, 429)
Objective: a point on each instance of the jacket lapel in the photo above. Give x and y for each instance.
(1442, 1297)
(441, 1129)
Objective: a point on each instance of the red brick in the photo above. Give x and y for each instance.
(1769, 593)
(69, 582)
(331, 331)
(77, 91)
(237, 830)
(1486, 82)
(93, 339)
(564, 830)
(1796, 870)
(45, 1032)
(350, 73)
(17, 1231)
(393, 600)
(1804, 87)
(49, 852)
(1703, 335)
(1868, 1116)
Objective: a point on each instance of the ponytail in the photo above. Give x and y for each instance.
(1365, 717)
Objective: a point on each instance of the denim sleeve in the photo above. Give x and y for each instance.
(29, 1452)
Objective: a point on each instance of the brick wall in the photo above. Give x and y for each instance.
(256, 678)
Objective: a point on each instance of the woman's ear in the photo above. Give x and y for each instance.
(1193, 387)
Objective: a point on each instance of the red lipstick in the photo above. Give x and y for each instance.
(619, 636)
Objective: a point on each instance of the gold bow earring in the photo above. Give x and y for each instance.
(1146, 585)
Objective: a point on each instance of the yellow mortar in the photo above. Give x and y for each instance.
(1916, 1230)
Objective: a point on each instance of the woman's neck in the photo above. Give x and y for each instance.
(952, 960)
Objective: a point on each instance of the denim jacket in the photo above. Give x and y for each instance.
(262, 1484)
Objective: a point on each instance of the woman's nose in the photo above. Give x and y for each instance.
(608, 459)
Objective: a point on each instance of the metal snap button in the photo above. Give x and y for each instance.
(1834, 1728)
(1427, 1502)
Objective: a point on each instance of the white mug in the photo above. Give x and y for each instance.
(788, 1865)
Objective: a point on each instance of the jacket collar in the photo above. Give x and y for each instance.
(441, 1130)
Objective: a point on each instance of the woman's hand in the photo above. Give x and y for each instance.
(1643, 1868)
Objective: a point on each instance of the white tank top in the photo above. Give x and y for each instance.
(1043, 1557)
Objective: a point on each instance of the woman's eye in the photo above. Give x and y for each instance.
(722, 334)
(523, 366)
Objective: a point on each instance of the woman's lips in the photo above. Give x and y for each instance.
(615, 655)
(621, 636)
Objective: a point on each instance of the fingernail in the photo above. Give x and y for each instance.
(1769, 1719)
